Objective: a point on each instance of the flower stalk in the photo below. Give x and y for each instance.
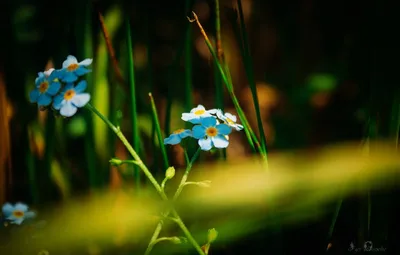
(148, 174)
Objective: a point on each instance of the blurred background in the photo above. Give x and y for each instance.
(324, 72)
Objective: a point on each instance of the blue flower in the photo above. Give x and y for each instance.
(197, 113)
(71, 69)
(210, 133)
(47, 86)
(71, 98)
(17, 214)
(229, 119)
(177, 136)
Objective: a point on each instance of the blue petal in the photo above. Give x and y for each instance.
(199, 131)
(220, 141)
(81, 100)
(56, 74)
(39, 80)
(59, 74)
(44, 100)
(41, 75)
(81, 71)
(34, 95)
(205, 144)
(185, 133)
(81, 86)
(195, 121)
(68, 87)
(68, 109)
(208, 121)
(69, 77)
(53, 88)
(172, 139)
(21, 207)
(58, 100)
(7, 209)
(223, 129)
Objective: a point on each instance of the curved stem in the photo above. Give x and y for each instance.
(160, 224)
(148, 174)
(186, 174)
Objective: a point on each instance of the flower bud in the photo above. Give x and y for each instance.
(170, 173)
(212, 235)
(115, 161)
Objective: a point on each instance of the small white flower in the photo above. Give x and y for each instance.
(229, 119)
(197, 113)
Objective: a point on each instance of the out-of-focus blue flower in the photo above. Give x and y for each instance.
(72, 69)
(47, 86)
(210, 133)
(71, 98)
(197, 113)
(177, 136)
(17, 214)
(229, 119)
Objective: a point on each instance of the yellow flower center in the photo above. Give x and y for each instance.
(211, 131)
(72, 67)
(230, 121)
(178, 131)
(43, 86)
(69, 94)
(18, 214)
(199, 112)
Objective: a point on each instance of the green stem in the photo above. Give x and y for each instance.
(186, 174)
(250, 76)
(135, 127)
(251, 137)
(334, 219)
(158, 130)
(148, 174)
(131, 150)
(160, 224)
(219, 89)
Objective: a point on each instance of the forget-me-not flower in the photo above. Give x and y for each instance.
(71, 98)
(71, 69)
(16, 214)
(229, 119)
(177, 136)
(210, 133)
(197, 113)
(47, 86)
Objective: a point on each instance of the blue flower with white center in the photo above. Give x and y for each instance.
(47, 86)
(229, 119)
(197, 113)
(71, 69)
(210, 134)
(71, 98)
(17, 214)
(177, 136)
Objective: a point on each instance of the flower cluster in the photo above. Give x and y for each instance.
(16, 214)
(57, 87)
(211, 128)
